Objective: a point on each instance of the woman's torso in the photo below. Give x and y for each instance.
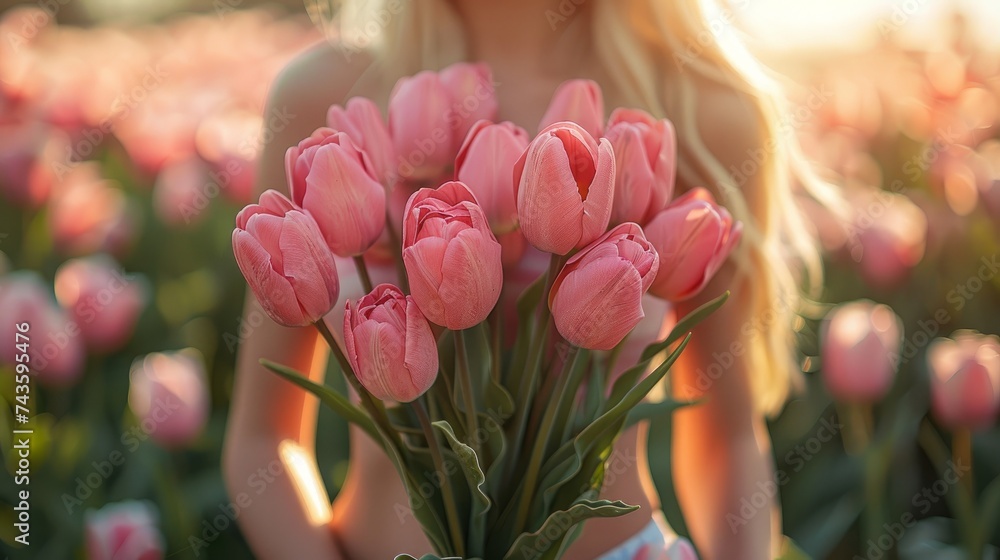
(372, 517)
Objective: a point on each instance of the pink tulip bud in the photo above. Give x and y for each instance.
(693, 237)
(596, 299)
(965, 380)
(452, 258)
(431, 112)
(645, 164)
(281, 253)
(578, 101)
(179, 195)
(87, 213)
(564, 186)
(335, 182)
(55, 348)
(860, 351)
(485, 163)
(892, 231)
(123, 530)
(363, 123)
(25, 179)
(104, 302)
(390, 345)
(474, 100)
(168, 393)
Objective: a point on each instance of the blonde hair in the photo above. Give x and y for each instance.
(655, 51)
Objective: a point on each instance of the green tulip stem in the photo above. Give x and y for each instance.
(564, 393)
(446, 490)
(961, 454)
(374, 406)
(465, 378)
(961, 501)
(366, 279)
(858, 419)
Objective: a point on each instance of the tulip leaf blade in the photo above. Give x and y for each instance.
(527, 304)
(990, 509)
(565, 464)
(684, 326)
(476, 480)
(548, 539)
(331, 398)
(648, 411)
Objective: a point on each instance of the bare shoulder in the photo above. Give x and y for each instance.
(299, 99)
(320, 76)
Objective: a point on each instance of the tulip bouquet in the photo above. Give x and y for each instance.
(491, 385)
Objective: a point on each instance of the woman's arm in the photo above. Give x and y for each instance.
(721, 448)
(269, 453)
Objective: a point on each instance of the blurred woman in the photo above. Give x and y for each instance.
(658, 55)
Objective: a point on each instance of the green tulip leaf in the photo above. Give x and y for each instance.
(650, 410)
(475, 480)
(331, 398)
(547, 540)
(684, 326)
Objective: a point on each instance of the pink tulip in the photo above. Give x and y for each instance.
(645, 164)
(227, 142)
(965, 380)
(564, 186)
(893, 236)
(485, 163)
(168, 393)
(24, 180)
(390, 345)
(452, 258)
(860, 351)
(596, 299)
(578, 101)
(693, 237)
(87, 213)
(363, 123)
(56, 352)
(180, 193)
(431, 112)
(281, 253)
(123, 531)
(104, 303)
(335, 182)
(471, 88)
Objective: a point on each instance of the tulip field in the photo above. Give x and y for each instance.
(128, 151)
